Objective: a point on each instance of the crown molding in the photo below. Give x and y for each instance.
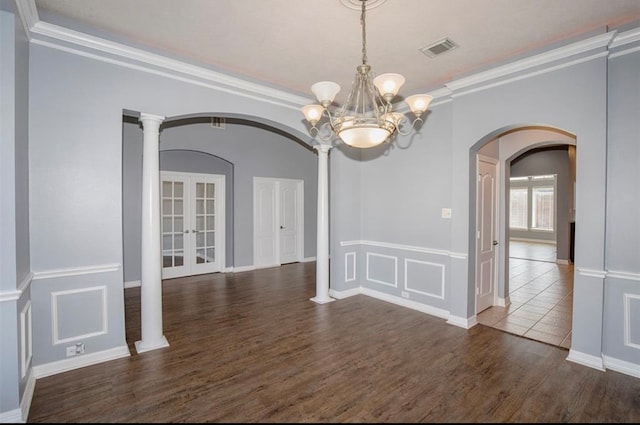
(51, 35)
(560, 53)
(626, 37)
(28, 14)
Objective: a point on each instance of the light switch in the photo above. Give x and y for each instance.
(446, 213)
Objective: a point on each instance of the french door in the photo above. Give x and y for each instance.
(192, 223)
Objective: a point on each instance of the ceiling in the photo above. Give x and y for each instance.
(291, 44)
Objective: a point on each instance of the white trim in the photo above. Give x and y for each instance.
(28, 15)
(433, 311)
(459, 255)
(76, 271)
(503, 302)
(12, 417)
(396, 246)
(601, 274)
(561, 261)
(9, 296)
(628, 368)
(462, 322)
(54, 314)
(241, 269)
(25, 282)
(172, 67)
(625, 37)
(27, 396)
(53, 368)
(395, 269)
(26, 338)
(346, 293)
(624, 52)
(415, 291)
(588, 360)
(308, 259)
(623, 275)
(534, 61)
(347, 256)
(132, 284)
(530, 75)
(626, 301)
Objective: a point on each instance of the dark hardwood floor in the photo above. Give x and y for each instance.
(251, 347)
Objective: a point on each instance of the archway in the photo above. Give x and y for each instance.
(504, 145)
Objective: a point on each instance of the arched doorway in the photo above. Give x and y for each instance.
(490, 264)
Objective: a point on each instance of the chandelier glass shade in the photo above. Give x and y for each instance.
(366, 118)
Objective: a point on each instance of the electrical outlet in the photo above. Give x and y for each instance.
(80, 348)
(71, 351)
(404, 294)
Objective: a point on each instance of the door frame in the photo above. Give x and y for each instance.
(275, 182)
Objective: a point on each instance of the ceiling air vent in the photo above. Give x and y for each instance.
(439, 47)
(217, 122)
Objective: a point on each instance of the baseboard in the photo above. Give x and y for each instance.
(243, 269)
(561, 261)
(12, 417)
(622, 366)
(132, 284)
(503, 302)
(462, 322)
(308, 259)
(77, 362)
(340, 295)
(25, 403)
(433, 311)
(594, 362)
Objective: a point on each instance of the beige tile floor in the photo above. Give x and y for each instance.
(541, 293)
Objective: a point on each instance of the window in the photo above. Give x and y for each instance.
(532, 203)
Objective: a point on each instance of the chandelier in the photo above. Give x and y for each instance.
(366, 118)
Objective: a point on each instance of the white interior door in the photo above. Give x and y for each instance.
(278, 221)
(192, 224)
(289, 221)
(486, 196)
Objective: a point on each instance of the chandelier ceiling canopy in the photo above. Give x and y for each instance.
(366, 118)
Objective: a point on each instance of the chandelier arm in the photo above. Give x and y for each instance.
(406, 120)
(324, 138)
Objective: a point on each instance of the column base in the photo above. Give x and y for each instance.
(142, 347)
(322, 300)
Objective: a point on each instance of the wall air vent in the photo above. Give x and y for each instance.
(439, 47)
(217, 122)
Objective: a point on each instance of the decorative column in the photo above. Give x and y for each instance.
(322, 250)
(151, 268)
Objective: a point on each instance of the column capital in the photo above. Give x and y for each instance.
(323, 147)
(144, 117)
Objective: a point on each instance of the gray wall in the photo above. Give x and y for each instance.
(172, 160)
(622, 247)
(553, 160)
(254, 152)
(385, 206)
(15, 265)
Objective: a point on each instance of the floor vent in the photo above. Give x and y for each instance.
(439, 47)
(217, 122)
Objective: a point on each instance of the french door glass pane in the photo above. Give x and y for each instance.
(172, 223)
(205, 222)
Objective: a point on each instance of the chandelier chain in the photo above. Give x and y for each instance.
(364, 32)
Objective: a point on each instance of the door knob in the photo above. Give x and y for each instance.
(281, 227)
(495, 242)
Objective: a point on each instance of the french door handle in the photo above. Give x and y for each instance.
(495, 242)
(281, 227)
